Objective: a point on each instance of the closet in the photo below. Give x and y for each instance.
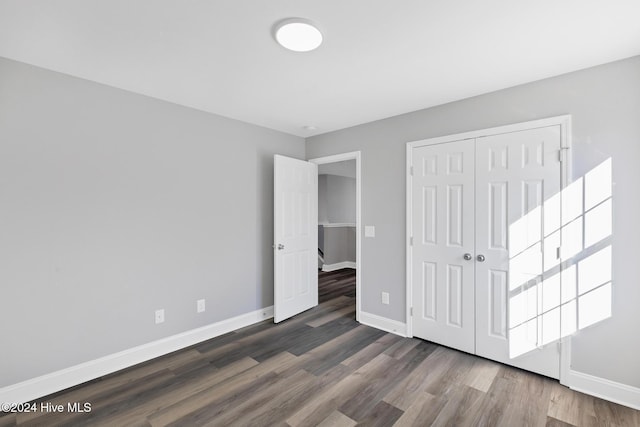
(476, 227)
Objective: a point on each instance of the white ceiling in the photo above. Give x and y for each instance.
(379, 57)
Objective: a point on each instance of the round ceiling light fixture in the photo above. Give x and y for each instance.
(298, 34)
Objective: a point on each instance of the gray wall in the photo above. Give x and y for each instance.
(323, 216)
(605, 104)
(339, 244)
(342, 168)
(337, 195)
(113, 205)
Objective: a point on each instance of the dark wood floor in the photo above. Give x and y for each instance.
(322, 368)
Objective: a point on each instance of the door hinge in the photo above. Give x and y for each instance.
(411, 241)
(562, 156)
(558, 252)
(411, 170)
(411, 311)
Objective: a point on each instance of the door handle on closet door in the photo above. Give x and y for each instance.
(480, 258)
(467, 257)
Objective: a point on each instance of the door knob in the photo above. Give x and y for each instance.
(467, 257)
(480, 258)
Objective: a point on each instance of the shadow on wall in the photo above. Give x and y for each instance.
(551, 296)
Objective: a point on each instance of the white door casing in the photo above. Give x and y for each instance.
(295, 236)
(443, 280)
(515, 173)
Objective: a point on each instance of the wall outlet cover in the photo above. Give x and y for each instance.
(369, 231)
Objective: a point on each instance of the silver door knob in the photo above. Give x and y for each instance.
(280, 246)
(467, 257)
(480, 258)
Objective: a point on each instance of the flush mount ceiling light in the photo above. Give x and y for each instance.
(297, 34)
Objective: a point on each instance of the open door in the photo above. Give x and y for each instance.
(295, 237)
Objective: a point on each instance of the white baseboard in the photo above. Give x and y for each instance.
(605, 389)
(339, 265)
(384, 324)
(59, 380)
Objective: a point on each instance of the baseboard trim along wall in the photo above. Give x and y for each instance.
(384, 324)
(59, 380)
(338, 266)
(605, 389)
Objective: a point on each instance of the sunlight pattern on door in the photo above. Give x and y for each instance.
(575, 290)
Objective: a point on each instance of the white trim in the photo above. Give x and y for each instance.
(605, 389)
(338, 266)
(384, 324)
(565, 360)
(566, 179)
(338, 224)
(44, 385)
(408, 240)
(563, 120)
(353, 155)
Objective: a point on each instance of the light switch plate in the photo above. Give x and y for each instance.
(369, 231)
(159, 315)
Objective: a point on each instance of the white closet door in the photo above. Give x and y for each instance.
(515, 173)
(442, 225)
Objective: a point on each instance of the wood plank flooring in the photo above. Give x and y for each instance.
(322, 368)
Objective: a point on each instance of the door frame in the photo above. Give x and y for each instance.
(564, 121)
(353, 155)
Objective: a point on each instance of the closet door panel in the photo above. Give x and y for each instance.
(515, 173)
(442, 224)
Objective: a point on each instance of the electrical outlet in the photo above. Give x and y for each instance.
(160, 316)
(385, 297)
(200, 306)
(369, 231)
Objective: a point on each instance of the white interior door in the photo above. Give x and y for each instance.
(295, 236)
(515, 173)
(442, 226)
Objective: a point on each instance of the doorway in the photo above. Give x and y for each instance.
(339, 224)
